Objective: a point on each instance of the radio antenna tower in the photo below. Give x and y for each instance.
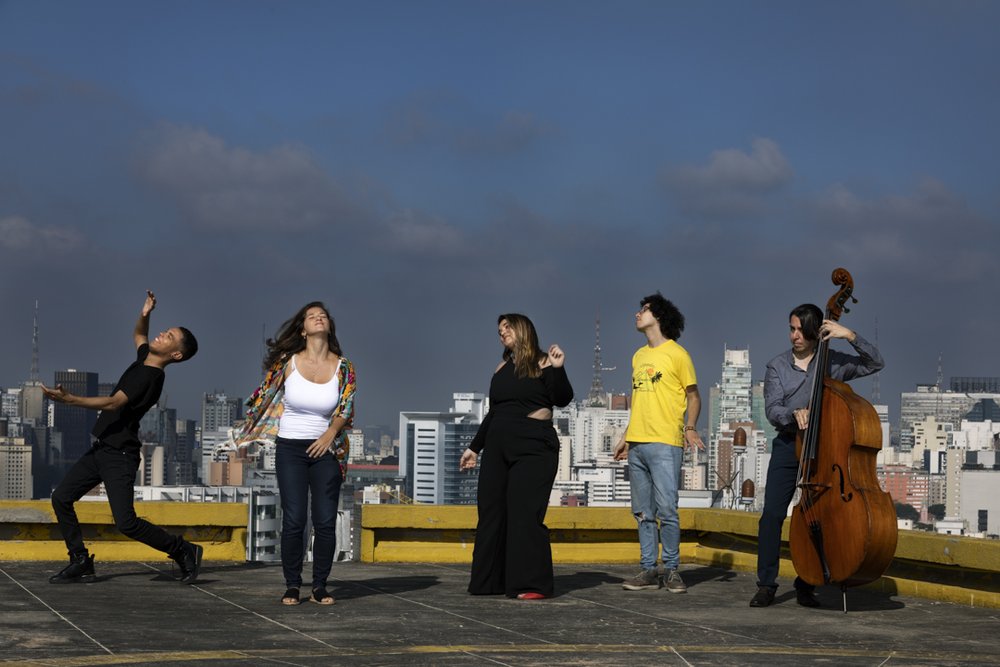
(34, 348)
(597, 398)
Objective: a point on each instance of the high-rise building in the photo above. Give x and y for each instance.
(32, 404)
(16, 481)
(74, 422)
(730, 402)
(152, 466)
(430, 446)
(10, 403)
(183, 467)
(931, 439)
(219, 413)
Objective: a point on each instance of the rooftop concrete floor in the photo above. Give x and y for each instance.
(420, 614)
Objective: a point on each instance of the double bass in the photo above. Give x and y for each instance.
(843, 529)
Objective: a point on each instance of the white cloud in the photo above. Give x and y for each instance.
(233, 188)
(732, 183)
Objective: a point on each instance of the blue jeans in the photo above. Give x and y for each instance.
(298, 476)
(654, 478)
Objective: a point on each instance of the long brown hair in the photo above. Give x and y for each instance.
(290, 340)
(526, 353)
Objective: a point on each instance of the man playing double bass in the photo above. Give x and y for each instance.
(787, 385)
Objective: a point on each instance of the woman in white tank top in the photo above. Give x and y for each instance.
(306, 404)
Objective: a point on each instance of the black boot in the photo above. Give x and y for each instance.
(188, 559)
(79, 570)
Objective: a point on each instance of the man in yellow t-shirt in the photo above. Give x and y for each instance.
(664, 390)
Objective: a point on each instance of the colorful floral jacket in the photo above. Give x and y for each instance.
(264, 408)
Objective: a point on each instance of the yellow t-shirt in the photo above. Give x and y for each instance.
(660, 378)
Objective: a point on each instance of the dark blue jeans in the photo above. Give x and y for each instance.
(299, 477)
(782, 474)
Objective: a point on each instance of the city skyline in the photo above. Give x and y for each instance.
(424, 167)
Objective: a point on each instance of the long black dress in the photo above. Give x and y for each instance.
(512, 553)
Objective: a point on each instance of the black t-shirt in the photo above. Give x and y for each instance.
(142, 385)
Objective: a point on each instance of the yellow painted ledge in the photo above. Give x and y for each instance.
(28, 530)
(940, 567)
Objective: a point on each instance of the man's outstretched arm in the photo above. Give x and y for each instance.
(141, 333)
(113, 402)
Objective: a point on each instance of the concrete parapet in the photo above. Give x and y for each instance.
(941, 567)
(28, 530)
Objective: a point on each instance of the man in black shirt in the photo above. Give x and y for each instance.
(114, 457)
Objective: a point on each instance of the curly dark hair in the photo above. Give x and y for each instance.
(667, 315)
(811, 319)
(290, 340)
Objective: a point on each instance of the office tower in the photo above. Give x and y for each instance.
(32, 404)
(152, 466)
(16, 481)
(356, 438)
(728, 404)
(74, 422)
(931, 439)
(10, 403)
(431, 444)
(219, 413)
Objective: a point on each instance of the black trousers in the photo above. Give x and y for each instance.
(116, 468)
(512, 553)
(782, 473)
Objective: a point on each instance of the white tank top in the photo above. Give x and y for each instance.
(308, 405)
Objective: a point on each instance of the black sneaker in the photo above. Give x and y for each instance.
(188, 559)
(79, 570)
(763, 597)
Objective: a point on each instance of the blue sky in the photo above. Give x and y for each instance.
(425, 166)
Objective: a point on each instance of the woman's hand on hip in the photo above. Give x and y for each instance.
(320, 446)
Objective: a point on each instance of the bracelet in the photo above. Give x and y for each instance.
(690, 428)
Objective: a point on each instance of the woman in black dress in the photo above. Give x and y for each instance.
(512, 555)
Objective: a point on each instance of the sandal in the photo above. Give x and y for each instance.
(320, 596)
(291, 597)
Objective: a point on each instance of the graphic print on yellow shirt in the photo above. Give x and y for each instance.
(660, 378)
(645, 377)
